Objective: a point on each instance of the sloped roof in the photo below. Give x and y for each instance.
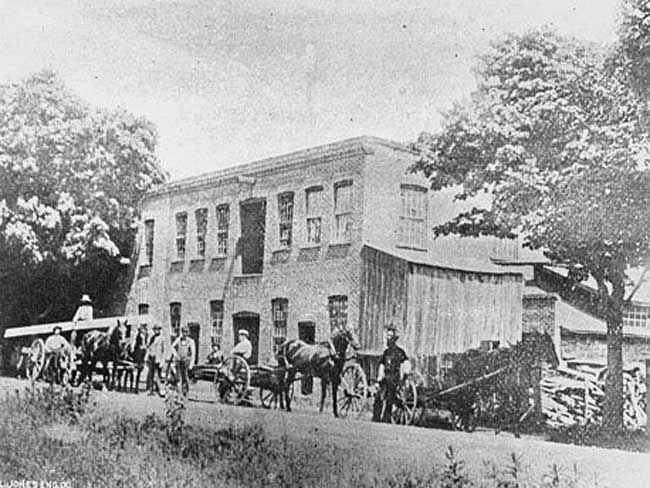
(454, 262)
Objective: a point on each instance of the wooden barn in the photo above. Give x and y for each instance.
(438, 307)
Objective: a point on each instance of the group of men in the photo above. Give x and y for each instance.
(154, 352)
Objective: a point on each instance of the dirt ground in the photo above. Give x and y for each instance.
(380, 446)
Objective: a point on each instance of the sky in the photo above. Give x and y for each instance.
(229, 82)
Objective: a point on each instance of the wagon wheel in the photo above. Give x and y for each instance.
(232, 381)
(272, 398)
(354, 391)
(36, 359)
(406, 402)
(64, 368)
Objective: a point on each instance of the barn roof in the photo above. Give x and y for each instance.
(455, 262)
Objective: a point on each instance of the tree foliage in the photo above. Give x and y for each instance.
(70, 181)
(559, 138)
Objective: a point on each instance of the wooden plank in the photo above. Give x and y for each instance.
(103, 323)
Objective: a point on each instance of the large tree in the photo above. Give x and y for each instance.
(558, 137)
(70, 181)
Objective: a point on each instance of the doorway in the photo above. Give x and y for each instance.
(307, 333)
(250, 322)
(195, 333)
(253, 229)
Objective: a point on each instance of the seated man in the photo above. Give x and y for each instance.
(216, 356)
(244, 348)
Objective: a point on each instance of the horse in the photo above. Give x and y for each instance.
(127, 369)
(324, 360)
(105, 347)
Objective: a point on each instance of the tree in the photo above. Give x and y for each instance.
(560, 141)
(70, 181)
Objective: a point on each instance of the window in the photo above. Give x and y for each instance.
(143, 309)
(175, 318)
(216, 316)
(314, 212)
(412, 220)
(635, 316)
(148, 241)
(223, 218)
(343, 211)
(181, 234)
(285, 211)
(201, 217)
(280, 311)
(338, 309)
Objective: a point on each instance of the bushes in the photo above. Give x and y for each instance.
(56, 434)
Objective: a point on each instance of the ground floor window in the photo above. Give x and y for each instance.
(338, 311)
(175, 318)
(280, 311)
(216, 316)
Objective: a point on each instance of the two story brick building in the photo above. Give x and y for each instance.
(294, 245)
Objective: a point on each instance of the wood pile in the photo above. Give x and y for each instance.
(574, 394)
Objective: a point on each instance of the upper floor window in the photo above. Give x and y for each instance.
(175, 318)
(201, 217)
(343, 211)
(413, 214)
(280, 311)
(181, 234)
(635, 316)
(216, 315)
(338, 310)
(223, 219)
(148, 241)
(314, 212)
(285, 211)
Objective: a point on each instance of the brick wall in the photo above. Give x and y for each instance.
(305, 275)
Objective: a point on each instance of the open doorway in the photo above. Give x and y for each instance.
(253, 229)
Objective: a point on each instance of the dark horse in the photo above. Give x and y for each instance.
(105, 347)
(324, 360)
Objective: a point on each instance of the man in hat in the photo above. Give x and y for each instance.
(184, 353)
(84, 312)
(244, 347)
(155, 357)
(389, 376)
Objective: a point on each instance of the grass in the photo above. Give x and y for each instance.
(58, 435)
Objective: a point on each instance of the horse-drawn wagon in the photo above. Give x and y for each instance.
(495, 388)
(63, 366)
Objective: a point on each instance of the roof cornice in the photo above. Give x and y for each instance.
(358, 146)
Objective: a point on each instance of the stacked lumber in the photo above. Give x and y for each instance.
(574, 395)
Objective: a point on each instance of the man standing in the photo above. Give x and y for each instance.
(139, 353)
(388, 376)
(184, 351)
(84, 312)
(155, 358)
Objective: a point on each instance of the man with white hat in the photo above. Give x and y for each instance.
(155, 359)
(84, 312)
(244, 348)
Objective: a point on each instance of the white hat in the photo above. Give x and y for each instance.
(85, 299)
(243, 331)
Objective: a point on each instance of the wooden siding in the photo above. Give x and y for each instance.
(436, 311)
(453, 311)
(383, 299)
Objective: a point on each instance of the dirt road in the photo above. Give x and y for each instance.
(372, 445)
